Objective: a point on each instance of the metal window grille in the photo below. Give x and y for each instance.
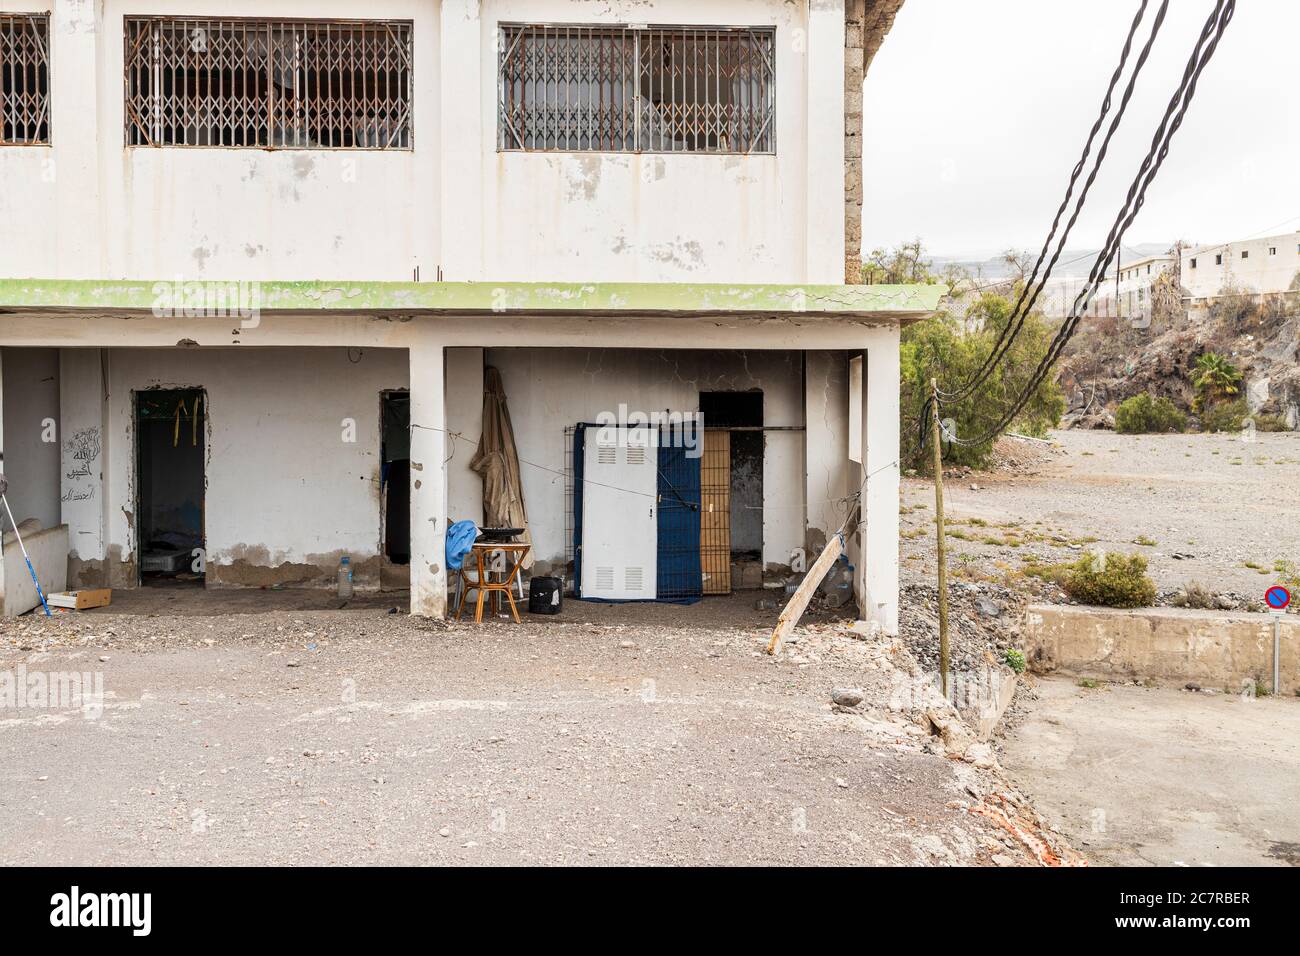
(637, 89)
(298, 84)
(24, 79)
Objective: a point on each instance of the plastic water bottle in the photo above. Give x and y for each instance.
(345, 579)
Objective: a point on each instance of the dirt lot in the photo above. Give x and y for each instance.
(1205, 506)
(1163, 776)
(362, 737)
(275, 727)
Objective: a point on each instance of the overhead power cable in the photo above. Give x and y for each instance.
(1032, 288)
(1206, 44)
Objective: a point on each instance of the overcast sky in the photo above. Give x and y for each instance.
(976, 111)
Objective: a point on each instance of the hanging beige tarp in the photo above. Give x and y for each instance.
(497, 461)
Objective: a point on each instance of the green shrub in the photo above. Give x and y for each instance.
(1270, 423)
(1225, 417)
(1142, 413)
(1116, 581)
(952, 350)
(1015, 660)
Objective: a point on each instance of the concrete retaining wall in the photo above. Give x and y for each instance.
(1212, 648)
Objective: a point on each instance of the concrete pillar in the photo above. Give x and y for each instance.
(428, 477)
(83, 448)
(462, 131)
(878, 568)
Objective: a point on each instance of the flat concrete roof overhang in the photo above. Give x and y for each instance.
(882, 304)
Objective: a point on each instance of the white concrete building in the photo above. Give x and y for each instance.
(256, 257)
(1255, 266)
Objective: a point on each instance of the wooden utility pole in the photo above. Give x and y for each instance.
(942, 544)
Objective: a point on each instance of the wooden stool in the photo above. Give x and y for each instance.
(514, 558)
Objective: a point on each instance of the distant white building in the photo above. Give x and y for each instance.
(1258, 266)
(1130, 296)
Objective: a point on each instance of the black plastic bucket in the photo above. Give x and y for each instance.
(545, 595)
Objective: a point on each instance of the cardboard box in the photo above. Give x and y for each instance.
(80, 600)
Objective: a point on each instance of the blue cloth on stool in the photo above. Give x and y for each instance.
(460, 539)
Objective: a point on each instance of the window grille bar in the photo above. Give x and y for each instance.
(252, 82)
(25, 79)
(636, 89)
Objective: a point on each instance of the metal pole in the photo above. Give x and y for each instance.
(942, 546)
(1277, 653)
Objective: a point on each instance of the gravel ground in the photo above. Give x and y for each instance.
(356, 737)
(1209, 504)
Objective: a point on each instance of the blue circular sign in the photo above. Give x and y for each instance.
(1277, 597)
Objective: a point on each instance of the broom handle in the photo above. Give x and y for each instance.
(23, 547)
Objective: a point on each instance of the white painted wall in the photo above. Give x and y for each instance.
(89, 207)
(465, 421)
(31, 441)
(828, 440)
(549, 389)
(108, 211)
(284, 486)
(1271, 264)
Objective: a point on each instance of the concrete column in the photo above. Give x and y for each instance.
(878, 569)
(83, 448)
(462, 133)
(428, 477)
(824, 233)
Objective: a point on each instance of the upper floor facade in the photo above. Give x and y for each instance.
(497, 140)
(1257, 266)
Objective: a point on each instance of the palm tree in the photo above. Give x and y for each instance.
(1216, 380)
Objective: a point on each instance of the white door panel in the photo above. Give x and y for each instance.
(620, 532)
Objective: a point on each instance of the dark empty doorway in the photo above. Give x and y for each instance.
(171, 443)
(395, 475)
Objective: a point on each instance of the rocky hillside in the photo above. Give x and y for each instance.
(1108, 361)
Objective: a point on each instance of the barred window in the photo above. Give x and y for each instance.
(299, 84)
(637, 89)
(24, 78)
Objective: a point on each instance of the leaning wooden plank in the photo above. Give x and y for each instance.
(798, 602)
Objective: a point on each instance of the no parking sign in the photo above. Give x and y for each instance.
(1277, 597)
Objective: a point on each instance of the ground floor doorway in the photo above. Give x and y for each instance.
(171, 452)
(395, 475)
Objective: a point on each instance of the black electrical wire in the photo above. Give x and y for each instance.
(1206, 44)
(1009, 331)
